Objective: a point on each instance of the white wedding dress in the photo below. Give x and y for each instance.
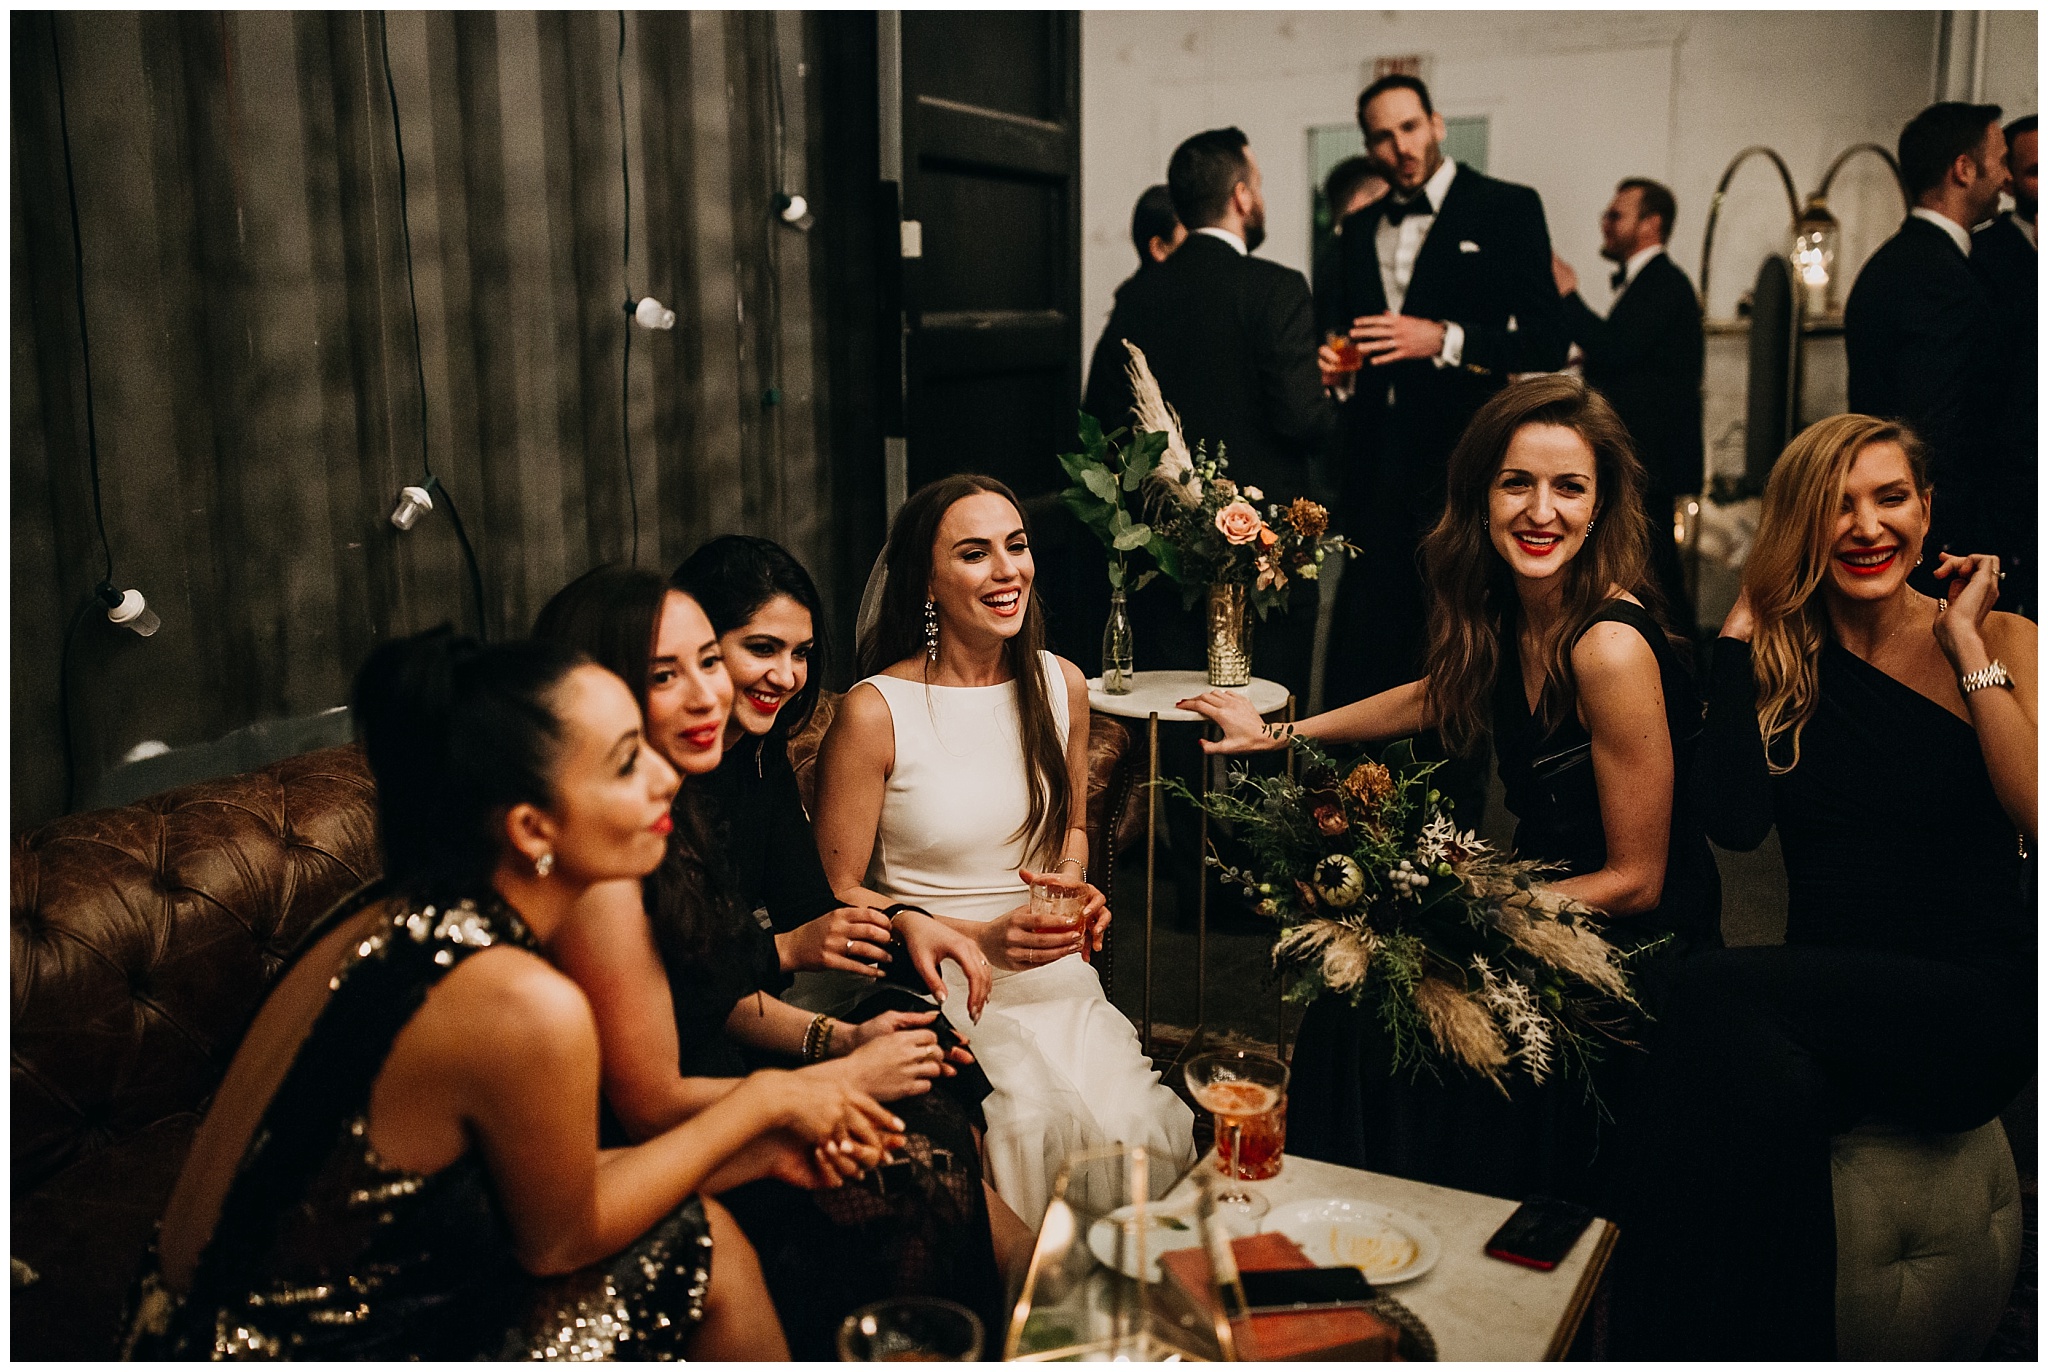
(1067, 1067)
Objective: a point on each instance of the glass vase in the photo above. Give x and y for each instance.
(1118, 650)
(1230, 635)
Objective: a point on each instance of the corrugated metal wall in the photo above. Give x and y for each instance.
(252, 355)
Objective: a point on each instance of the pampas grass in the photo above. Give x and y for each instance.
(1152, 414)
(1462, 1028)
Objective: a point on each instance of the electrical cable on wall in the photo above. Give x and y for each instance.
(414, 500)
(647, 312)
(626, 280)
(126, 608)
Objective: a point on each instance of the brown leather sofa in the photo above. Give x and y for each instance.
(144, 938)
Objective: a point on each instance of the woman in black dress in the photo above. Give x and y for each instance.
(684, 980)
(403, 1146)
(1890, 737)
(765, 610)
(1539, 637)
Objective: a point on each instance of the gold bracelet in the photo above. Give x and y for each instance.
(816, 1035)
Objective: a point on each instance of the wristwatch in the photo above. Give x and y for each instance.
(1991, 674)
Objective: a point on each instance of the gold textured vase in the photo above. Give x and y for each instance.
(1230, 635)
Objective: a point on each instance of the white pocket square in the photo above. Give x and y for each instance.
(1467, 245)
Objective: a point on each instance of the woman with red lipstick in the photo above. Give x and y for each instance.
(1890, 738)
(1539, 636)
(952, 778)
(682, 981)
(765, 609)
(401, 1160)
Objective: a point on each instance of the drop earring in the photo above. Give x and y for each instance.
(1590, 523)
(931, 630)
(543, 865)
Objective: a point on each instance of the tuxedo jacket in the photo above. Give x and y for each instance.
(1922, 347)
(1648, 357)
(2007, 265)
(1485, 265)
(1231, 340)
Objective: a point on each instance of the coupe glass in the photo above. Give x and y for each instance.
(1247, 1093)
(911, 1329)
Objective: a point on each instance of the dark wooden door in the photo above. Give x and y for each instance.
(990, 166)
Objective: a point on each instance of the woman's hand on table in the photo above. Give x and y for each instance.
(1243, 730)
(930, 942)
(849, 939)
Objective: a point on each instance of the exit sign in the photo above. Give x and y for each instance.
(1413, 64)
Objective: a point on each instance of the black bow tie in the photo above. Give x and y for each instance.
(1619, 279)
(1398, 209)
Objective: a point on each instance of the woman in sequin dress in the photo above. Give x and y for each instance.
(400, 1162)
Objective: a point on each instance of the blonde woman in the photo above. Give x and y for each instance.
(1890, 737)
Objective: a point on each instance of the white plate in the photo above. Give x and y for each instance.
(1170, 1226)
(1386, 1245)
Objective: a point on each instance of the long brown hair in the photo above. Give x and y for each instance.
(1789, 562)
(612, 613)
(898, 633)
(1472, 593)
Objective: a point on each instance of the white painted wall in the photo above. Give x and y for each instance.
(1576, 100)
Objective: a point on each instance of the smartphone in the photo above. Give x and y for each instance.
(1539, 1233)
(1304, 1288)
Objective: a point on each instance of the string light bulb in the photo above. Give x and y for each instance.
(128, 609)
(413, 501)
(650, 313)
(794, 211)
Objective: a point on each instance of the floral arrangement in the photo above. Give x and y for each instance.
(1206, 530)
(1218, 536)
(1467, 955)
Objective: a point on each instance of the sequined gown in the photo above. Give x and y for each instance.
(322, 1251)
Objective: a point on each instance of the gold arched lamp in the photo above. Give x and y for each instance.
(1721, 193)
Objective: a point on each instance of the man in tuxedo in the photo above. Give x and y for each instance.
(2005, 252)
(1921, 335)
(1230, 338)
(1647, 357)
(1445, 285)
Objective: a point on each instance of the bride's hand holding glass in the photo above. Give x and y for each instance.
(1243, 730)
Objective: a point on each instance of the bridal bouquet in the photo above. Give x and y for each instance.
(1465, 953)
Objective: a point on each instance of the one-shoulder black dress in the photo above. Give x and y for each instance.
(1904, 991)
(1450, 1127)
(323, 1252)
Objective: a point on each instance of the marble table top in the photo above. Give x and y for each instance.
(1157, 691)
(1479, 1309)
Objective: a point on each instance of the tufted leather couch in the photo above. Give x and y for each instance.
(143, 939)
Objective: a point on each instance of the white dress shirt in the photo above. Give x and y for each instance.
(2031, 231)
(1227, 236)
(1959, 235)
(1633, 268)
(1400, 244)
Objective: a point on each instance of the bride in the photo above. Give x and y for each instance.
(956, 768)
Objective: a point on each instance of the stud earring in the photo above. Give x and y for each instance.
(931, 630)
(544, 864)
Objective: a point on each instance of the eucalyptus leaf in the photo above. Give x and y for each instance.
(1076, 464)
(1090, 430)
(1145, 579)
(1131, 539)
(1099, 481)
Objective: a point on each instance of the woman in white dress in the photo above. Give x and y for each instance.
(955, 776)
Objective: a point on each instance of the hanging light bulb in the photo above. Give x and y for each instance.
(794, 211)
(413, 501)
(1815, 235)
(650, 313)
(128, 609)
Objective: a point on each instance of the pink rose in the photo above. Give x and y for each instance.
(1239, 522)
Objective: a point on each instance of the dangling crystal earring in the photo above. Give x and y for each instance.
(1486, 521)
(1590, 523)
(931, 630)
(544, 864)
